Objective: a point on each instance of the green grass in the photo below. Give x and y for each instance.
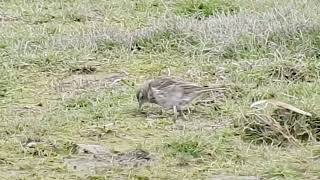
(59, 60)
(188, 146)
(205, 8)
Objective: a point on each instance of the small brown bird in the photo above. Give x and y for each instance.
(170, 93)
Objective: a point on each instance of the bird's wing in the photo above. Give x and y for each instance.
(188, 88)
(164, 83)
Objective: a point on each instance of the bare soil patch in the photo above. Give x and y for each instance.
(92, 158)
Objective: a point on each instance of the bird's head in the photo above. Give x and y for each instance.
(142, 96)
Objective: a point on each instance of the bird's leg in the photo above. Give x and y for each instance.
(182, 114)
(175, 113)
(184, 117)
(161, 112)
(189, 112)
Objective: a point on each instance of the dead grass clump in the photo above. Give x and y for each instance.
(83, 70)
(295, 72)
(279, 125)
(236, 92)
(38, 148)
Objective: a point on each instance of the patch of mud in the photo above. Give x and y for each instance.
(134, 158)
(93, 158)
(81, 83)
(87, 164)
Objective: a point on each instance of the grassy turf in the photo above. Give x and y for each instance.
(58, 60)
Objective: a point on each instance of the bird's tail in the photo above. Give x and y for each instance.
(216, 87)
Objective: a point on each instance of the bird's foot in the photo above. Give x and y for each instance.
(184, 117)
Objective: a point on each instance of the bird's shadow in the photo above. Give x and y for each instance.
(158, 113)
(149, 113)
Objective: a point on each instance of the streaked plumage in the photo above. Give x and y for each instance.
(170, 93)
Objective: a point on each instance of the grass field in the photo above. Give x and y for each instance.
(69, 71)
